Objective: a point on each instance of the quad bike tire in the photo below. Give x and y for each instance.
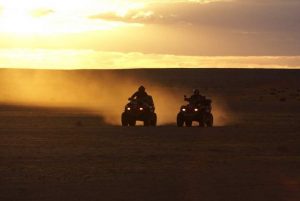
(146, 122)
(132, 122)
(153, 122)
(209, 120)
(201, 124)
(188, 123)
(124, 120)
(180, 120)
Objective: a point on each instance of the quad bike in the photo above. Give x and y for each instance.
(200, 113)
(139, 111)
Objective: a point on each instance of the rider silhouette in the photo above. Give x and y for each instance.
(140, 95)
(196, 98)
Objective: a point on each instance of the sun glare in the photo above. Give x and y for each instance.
(56, 16)
(20, 23)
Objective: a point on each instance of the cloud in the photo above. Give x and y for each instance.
(89, 59)
(244, 15)
(240, 27)
(174, 27)
(41, 12)
(138, 16)
(153, 12)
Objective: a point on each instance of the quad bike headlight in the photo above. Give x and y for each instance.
(128, 108)
(141, 109)
(183, 109)
(196, 109)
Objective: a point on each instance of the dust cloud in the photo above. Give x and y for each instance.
(103, 94)
(223, 115)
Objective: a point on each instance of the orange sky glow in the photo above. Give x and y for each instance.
(91, 34)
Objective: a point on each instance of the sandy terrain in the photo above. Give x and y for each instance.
(64, 151)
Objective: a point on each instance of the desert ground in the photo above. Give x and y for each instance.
(61, 139)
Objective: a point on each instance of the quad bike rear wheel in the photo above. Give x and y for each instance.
(188, 123)
(201, 124)
(146, 122)
(132, 122)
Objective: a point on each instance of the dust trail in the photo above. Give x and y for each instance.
(104, 93)
(223, 115)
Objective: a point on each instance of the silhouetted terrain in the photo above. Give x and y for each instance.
(60, 139)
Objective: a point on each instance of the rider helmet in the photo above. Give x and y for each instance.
(196, 92)
(142, 89)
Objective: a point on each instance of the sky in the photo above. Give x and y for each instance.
(89, 34)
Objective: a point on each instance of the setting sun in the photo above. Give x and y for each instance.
(20, 22)
(54, 17)
(149, 33)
